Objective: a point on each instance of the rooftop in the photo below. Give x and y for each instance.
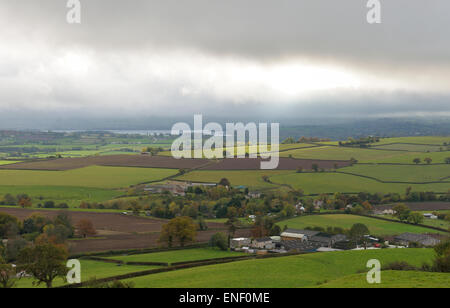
(304, 232)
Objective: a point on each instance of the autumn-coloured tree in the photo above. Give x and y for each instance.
(85, 228)
(315, 167)
(7, 275)
(367, 206)
(358, 232)
(402, 211)
(25, 202)
(180, 229)
(428, 160)
(224, 182)
(45, 262)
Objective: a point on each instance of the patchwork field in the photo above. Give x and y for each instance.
(376, 226)
(146, 161)
(316, 183)
(284, 164)
(256, 149)
(285, 272)
(399, 173)
(411, 147)
(342, 153)
(95, 176)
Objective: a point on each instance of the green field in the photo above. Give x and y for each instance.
(408, 157)
(7, 162)
(178, 255)
(342, 153)
(92, 269)
(394, 279)
(94, 176)
(376, 227)
(401, 173)
(435, 140)
(316, 183)
(411, 147)
(284, 272)
(69, 194)
(438, 223)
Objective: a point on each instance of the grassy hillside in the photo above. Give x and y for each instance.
(294, 271)
(376, 226)
(92, 269)
(394, 279)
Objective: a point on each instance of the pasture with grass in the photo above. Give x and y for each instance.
(310, 270)
(95, 176)
(376, 227)
(90, 270)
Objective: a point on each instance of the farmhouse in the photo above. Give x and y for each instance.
(423, 239)
(254, 195)
(263, 243)
(238, 243)
(430, 216)
(384, 212)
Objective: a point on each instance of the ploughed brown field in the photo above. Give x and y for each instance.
(144, 161)
(168, 162)
(284, 164)
(118, 231)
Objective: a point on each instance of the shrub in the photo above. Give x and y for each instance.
(49, 205)
(219, 240)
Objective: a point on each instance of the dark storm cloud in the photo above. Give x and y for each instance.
(140, 54)
(412, 30)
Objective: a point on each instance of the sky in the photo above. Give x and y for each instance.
(235, 58)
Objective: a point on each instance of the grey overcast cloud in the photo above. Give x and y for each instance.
(283, 58)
